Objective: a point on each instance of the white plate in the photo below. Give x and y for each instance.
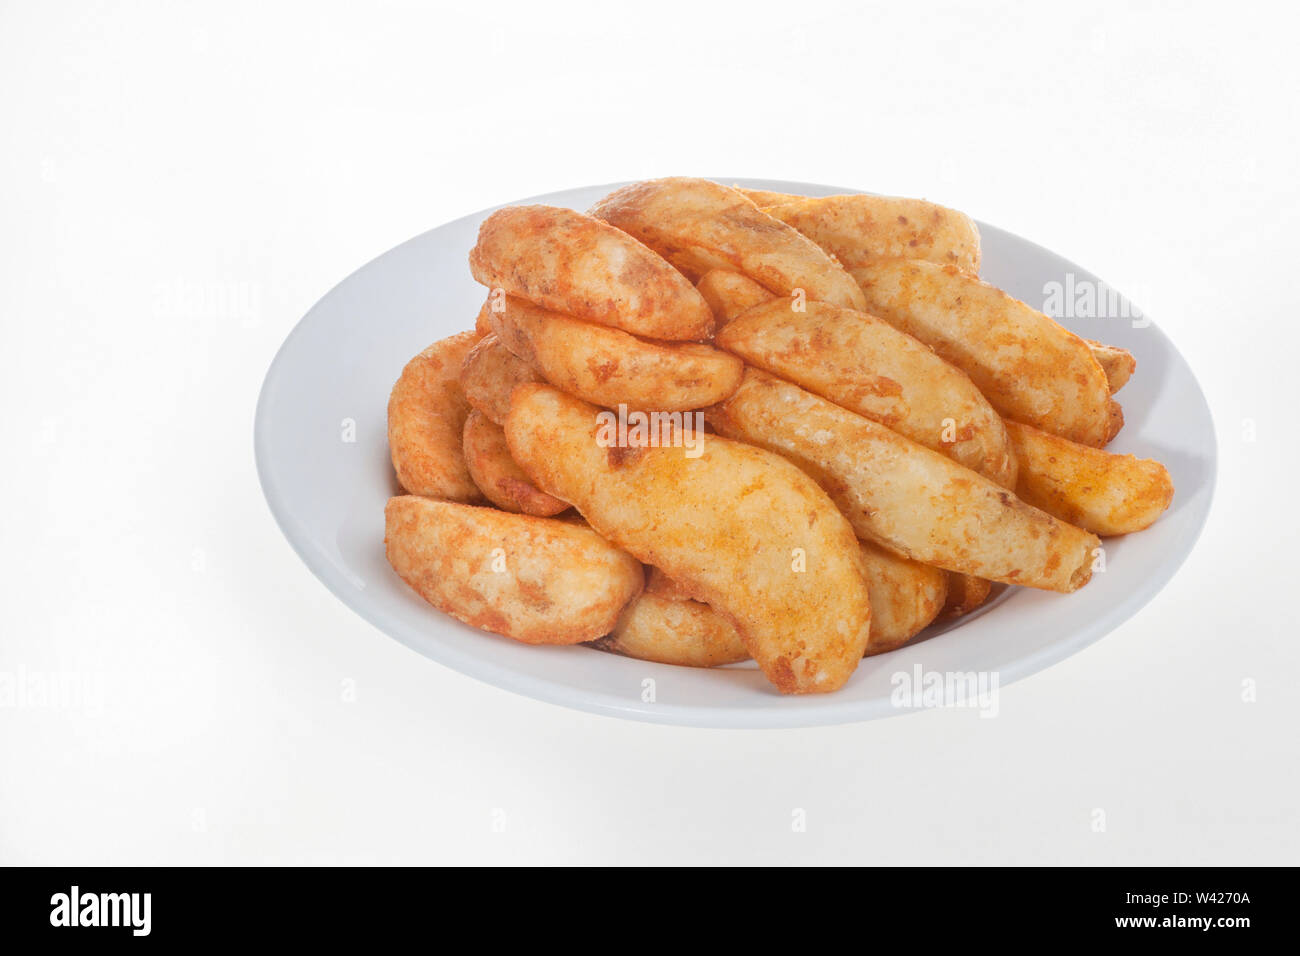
(328, 496)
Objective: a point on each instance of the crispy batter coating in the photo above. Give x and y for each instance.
(503, 482)
(670, 630)
(858, 229)
(538, 580)
(1100, 491)
(609, 367)
(867, 366)
(1030, 368)
(569, 262)
(745, 531)
(906, 596)
(426, 418)
(907, 498)
(699, 225)
(1118, 364)
(490, 373)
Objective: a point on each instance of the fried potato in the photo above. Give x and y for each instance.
(501, 480)
(609, 367)
(867, 366)
(765, 197)
(1030, 368)
(905, 597)
(730, 293)
(1097, 490)
(965, 593)
(538, 580)
(745, 531)
(858, 229)
(699, 225)
(490, 373)
(1118, 364)
(426, 417)
(673, 631)
(904, 497)
(569, 262)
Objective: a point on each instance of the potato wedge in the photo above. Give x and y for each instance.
(1118, 364)
(1097, 490)
(490, 373)
(699, 225)
(668, 630)
(867, 366)
(1030, 368)
(426, 419)
(765, 197)
(858, 229)
(730, 293)
(965, 593)
(537, 580)
(572, 263)
(747, 532)
(904, 497)
(609, 367)
(905, 597)
(501, 480)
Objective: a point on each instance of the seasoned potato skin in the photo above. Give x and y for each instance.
(906, 596)
(867, 366)
(561, 583)
(730, 293)
(1100, 491)
(734, 525)
(858, 229)
(609, 367)
(501, 480)
(966, 593)
(1030, 368)
(904, 497)
(426, 419)
(670, 630)
(699, 225)
(1118, 364)
(569, 262)
(490, 373)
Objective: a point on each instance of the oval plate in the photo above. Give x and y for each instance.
(331, 379)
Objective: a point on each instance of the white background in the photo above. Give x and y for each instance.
(178, 185)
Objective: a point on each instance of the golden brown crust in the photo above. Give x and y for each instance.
(609, 367)
(503, 482)
(745, 531)
(730, 293)
(966, 593)
(858, 229)
(572, 263)
(490, 373)
(904, 497)
(1105, 493)
(905, 597)
(864, 364)
(537, 580)
(1030, 368)
(674, 631)
(426, 418)
(699, 225)
(1118, 364)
